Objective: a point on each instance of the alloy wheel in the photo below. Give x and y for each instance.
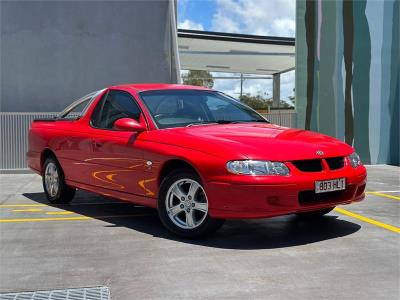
(186, 203)
(51, 179)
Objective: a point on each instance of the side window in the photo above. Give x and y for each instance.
(114, 105)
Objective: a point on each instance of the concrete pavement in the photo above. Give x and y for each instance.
(99, 241)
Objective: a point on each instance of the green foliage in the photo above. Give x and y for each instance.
(199, 78)
(284, 104)
(260, 103)
(256, 102)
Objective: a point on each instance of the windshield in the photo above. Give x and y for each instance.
(178, 108)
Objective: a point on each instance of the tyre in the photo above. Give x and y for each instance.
(315, 214)
(183, 205)
(55, 188)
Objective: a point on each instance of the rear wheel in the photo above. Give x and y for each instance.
(183, 205)
(54, 185)
(315, 214)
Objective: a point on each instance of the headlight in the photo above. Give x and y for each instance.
(354, 159)
(257, 167)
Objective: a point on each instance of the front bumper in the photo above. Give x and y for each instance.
(243, 197)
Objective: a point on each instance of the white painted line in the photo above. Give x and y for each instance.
(385, 191)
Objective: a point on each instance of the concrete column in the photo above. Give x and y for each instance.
(276, 89)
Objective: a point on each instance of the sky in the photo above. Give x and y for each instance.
(258, 17)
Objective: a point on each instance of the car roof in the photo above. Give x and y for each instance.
(140, 87)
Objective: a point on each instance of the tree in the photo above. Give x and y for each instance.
(285, 104)
(256, 102)
(293, 98)
(199, 78)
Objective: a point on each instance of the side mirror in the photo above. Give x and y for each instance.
(127, 124)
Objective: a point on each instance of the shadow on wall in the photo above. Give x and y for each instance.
(347, 74)
(279, 232)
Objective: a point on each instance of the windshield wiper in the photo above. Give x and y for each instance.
(212, 122)
(226, 122)
(258, 120)
(200, 123)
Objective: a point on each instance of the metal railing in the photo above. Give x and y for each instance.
(14, 138)
(283, 118)
(14, 134)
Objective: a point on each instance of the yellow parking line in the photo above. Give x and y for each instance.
(59, 213)
(22, 205)
(27, 210)
(68, 218)
(73, 204)
(368, 220)
(383, 195)
(44, 219)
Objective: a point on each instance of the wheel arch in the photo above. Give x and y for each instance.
(174, 164)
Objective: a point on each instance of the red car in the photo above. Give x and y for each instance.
(197, 155)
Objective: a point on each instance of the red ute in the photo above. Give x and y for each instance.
(195, 154)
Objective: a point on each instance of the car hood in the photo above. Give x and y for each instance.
(252, 141)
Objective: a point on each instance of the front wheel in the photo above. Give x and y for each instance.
(183, 205)
(315, 214)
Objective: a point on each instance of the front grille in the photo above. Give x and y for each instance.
(311, 165)
(315, 165)
(335, 163)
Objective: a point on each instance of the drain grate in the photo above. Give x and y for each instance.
(85, 293)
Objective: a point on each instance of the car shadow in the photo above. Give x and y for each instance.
(278, 232)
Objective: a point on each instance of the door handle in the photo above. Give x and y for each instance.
(97, 144)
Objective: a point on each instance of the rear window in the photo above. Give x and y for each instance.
(78, 108)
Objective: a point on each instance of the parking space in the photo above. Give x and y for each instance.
(352, 253)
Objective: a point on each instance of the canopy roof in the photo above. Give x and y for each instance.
(235, 53)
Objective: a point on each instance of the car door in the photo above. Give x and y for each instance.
(117, 163)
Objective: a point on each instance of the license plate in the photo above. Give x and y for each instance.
(330, 185)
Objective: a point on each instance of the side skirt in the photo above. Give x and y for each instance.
(137, 199)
